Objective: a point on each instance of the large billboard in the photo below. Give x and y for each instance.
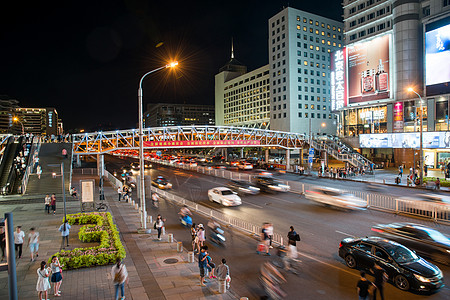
(338, 78)
(431, 140)
(368, 70)
(437, 57)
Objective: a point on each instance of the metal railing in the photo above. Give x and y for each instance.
(85, 171)
(34, 151)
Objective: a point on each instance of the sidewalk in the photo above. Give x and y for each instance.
(150, 277)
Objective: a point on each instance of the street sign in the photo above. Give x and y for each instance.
(158, 153)
(311, 152)
(310, 160)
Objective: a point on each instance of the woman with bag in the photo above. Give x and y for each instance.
(159, 224)
(42, 285)
(120, 277)
(56, 275)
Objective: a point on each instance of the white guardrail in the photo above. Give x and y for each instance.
(436, 211)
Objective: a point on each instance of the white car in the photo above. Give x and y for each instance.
(335, 197)
(245, 166)
(224, 196)
(425, 204)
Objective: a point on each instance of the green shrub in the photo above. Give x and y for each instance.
(444, 182)
(100, 228)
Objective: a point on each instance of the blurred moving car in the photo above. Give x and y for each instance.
(243, 187)
(335, 197)
(136, 166)
(269, 184)
(426, 204)
(161, 183)
(224, 196)
(245, 166)
(403, 267)
(426, 241)
(262, 172)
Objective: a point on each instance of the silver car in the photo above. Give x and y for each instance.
(335, 197)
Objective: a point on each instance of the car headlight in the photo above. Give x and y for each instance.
(421, 278)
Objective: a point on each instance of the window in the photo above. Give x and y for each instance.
(381, 12)
(299, 105)
(306, 114)
(299, 27)
(312, 106)
(351, 11)
(381, 254)
(312, 115)
(279, 116)
(361, 6)
(446, 3)
(306, 106)
(284, 115)
(381, 26)
(353, 37)
(318, 108)
(370, 16)
(371, 30)
(274, 116)
(364, 247)
(299, 114)
(274, 107)
(317, 23)
(360, 34)
(360, 20)
(299, 97)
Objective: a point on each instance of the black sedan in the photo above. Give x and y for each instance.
(243, 187)
(403, 267)
(428, 242)
(269, 184)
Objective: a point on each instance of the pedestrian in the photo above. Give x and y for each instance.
(380, 278)
(42, 285)
(211, 267)
(364, 287)
(293, 238)
(119, 192)
(3, 241)
(425, 170)
(438, 183)
(73, 192)
(120, 278)
(33, 243)
(400, 170)
(201, 236)
(56, 275)
(19, 235)
(124, 193)
(270, 234)
(202, 263)
(265, 239)
(159, 224)
(47, 201)
(194, 237)
(39, 171)
(53, 203)
(65, 231)
(223, 272)
(64, 152)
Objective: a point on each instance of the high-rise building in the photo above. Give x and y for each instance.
(300, 44)
(38, 121)
(7, 108)
(391, 46)
(166, 114)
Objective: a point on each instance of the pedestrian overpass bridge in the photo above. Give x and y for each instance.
(208, 137)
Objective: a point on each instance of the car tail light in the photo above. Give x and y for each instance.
(340, 245)
(377, 230)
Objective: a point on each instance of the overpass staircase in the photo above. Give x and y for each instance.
(340, 151)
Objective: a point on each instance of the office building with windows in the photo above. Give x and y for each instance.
(300, 44)
(37, 121)
(391, 46)
(7, 109)
(166, 114)
(241, 98)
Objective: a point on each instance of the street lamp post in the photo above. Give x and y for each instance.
(16, 119)
(141, 147)
(421, 137)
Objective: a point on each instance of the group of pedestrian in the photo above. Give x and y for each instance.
(124, 193)
(265, 239)
(198, 236)
(19, 238)
(366, 288)
(207, 267)
(54, 272)
(50, 203)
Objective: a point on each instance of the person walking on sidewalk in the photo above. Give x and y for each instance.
(380, 278)
(265, 238)
(223, 272)
(65, 231)
(159, 224)
(202, 264)
(293, 238)
(53, 203)
(210, 266)
(39, 171)
(47, 201)
(42, 285)
(119, 275)
(64, 152)
(400, 170)
(3, 241)
(364, 287)
(200, 236)
(270, 234)
(19, 235)
(194, 237)
(119, 192)
(33, 243)
(56, 275)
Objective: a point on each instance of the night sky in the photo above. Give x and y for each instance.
(85, 58)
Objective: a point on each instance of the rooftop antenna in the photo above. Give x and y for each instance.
(232, 48)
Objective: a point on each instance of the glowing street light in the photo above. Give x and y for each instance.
(421, 136)
(141, 146)
(16, 119)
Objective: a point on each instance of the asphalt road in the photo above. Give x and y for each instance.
(324, 274)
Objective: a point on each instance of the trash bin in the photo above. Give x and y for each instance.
(222, 286)
(179, 246)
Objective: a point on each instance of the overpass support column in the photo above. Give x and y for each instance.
(100, 165)
(242, 152)
(266, 159)
(288, 159)
(78, 160)
(225, 154)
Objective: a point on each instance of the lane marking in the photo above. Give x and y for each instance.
(252, 204)
(344, 233)
(330, 265)
(279, 199)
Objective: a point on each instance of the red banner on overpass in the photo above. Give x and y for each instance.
(212, 143)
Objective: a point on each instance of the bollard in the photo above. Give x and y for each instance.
(222, 286)
(170, 238)
(164, 231)
(179, 246)
(243, 298)
(132, 202)
(190, 256)
(149, 219)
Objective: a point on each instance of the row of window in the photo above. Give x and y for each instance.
(241, 118)
(247, 103)
(312, 90)
(361, 6)
(251, 89)
(259, 83)
(305, 20)
(370, 30)
(317, 32)
(307, 115)
(312, 106)
(370, 16)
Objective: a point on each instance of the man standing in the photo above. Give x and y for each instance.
(33, 243)
(202, 263)
(65, 231)
(119, 192)
(270, 233)
(18, 240)
(380, 277)
(265, 238)
(293, 238)
(3, 241)
(223, 272)
(53, 203)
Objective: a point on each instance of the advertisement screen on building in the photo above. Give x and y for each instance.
(437, 57)
(338, 78)
(406, 140)
(368, 70)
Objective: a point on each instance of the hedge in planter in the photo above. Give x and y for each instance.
(101, 229)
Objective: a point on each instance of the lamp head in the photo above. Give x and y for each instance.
(410, 89)
(15, 119)
(172, 64)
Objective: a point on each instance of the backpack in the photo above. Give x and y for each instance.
(119, 277)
